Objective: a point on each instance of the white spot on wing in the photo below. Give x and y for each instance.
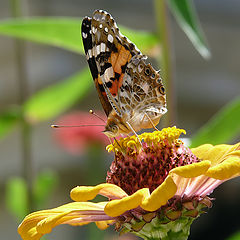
(106, 29)
(110, 38)
(84, 35)
(103, 47)
(89, 53)
(108, 74)
(94, 30)
(98, 49)
(100, 25)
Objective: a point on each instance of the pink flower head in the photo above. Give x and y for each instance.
(76, 139)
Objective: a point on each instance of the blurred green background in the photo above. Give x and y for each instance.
(45, 77)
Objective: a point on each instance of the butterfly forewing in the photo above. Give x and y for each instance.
(126, 84)
(112, 52)
(88, 45)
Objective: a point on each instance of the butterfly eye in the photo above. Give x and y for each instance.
(114, 129)
(147, 71)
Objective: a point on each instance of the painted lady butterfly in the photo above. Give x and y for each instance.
(130, 90)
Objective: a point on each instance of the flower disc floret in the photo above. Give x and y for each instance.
(154, 138)
(147, 166)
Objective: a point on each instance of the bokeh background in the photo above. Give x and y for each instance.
(201, 89)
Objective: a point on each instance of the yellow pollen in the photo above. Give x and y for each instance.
(170, 134)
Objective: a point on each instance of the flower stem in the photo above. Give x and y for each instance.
(164, 60)
(27, 169)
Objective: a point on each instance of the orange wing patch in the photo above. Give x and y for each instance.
(119, 61)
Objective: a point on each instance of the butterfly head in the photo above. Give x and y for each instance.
(115, 126)
(111, 130)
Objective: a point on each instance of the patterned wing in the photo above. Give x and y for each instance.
(88, 47)
(111, 52)
(142, 91)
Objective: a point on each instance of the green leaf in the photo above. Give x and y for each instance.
(145, 41)
(43, 187)
(59, 32)
(8, 120)
(222, 128)
(16, 197)
(235, 236)
(187, 19)
(55, 99)
(64, 32)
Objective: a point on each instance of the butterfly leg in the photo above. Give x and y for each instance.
(134, 133)
(150, 120)
(110, 140)
(122, 150)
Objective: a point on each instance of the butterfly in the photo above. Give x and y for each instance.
(130, 90)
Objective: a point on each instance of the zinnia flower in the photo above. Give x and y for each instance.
(154, 190)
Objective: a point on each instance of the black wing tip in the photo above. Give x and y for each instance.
(86, 22)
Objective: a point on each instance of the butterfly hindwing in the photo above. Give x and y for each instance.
(142, 88)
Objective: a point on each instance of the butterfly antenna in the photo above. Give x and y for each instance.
(66, 126)
(96, 115)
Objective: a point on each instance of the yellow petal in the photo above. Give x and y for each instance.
(215, 154)
(85, 193)
(41, 222)
(160, 195)
(27, 229)
(47, 224)
(225, 170)
(202, 151)
(117, 207)
(192, 170)
(233, 154)
(104, 224)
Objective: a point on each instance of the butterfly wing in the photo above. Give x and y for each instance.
(142, 90)
(123, 80)
(88, 47)
(111, 52)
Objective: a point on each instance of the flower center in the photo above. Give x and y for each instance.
(147, 166)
